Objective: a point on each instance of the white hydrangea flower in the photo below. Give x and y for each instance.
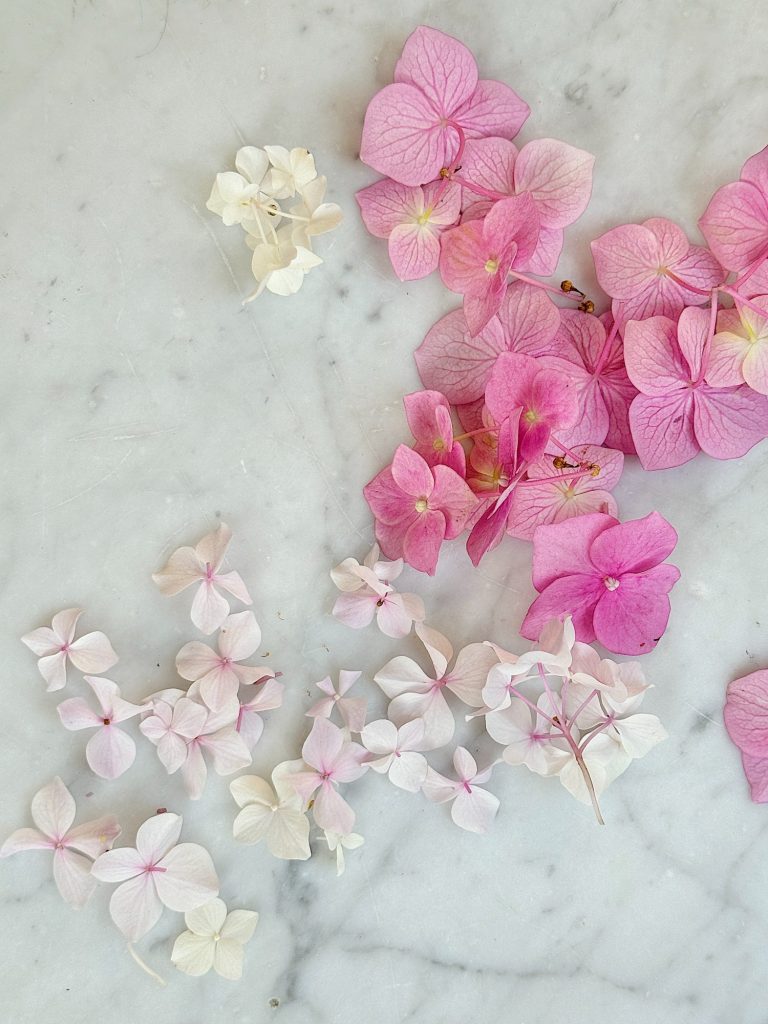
(291, 170)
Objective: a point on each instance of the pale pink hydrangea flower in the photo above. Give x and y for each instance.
(171, 727)
(273, 813)
(56, 645)
(367, 591)
(396, 752)
(250, 724)
(201, 565)
(74, 849)
(110, 751)
(472, 808)
(527, 737)
(217, 672)
(329, 759)
(219, 739)
(158, 872)
(415, 127)
(351, 709)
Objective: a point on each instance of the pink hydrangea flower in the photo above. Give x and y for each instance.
(110, 751)
(202, 565)
(677, 415)
(394, 752)
(171, 727)
(158, 872)
(610, 576)
(645, 268)
(739, 352)
(735, 224)
(551, 494)
(331, 759)
(56, 645)
(746, 719)
(558, 178)
(413, 219)
(476, 256)
(220, 739)
(429, 418)
(417, 507)
(472, 808)
(450, 360)
(74, 849)
(367, 591)
(594, 360)
(351, 709)
(415, 127)
(548, 400)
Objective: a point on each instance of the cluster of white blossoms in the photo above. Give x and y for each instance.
(258, 196)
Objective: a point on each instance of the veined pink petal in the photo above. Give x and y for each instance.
(157, 835)
(42, 641)
(746, 713)
(219, 687)
(735, 224)
(563, 549)
(212, 548)
(411, 473)
(727, 423)
(453, 498)
(196, 660)
(403, 138)
(421, 544)
(756, 771)
(632, 618)
(135, 906)
(692, 336)
(92, 653)
(110, 752)
(189, 879)
(322, 746)
(414, 250)
(332, 812)
(492, 109)
(388, 502)
(72, 874)
(209, 608)
(663, 429)
(544, 259)
(53, 669)
(386, 204)
(53, 809)
(626, 260)
(529, 320)
(558, 178)
(453, 362)
(76, 713)
(181, 571)
(489, 162)
(575, 595)
(440, 66)
(94, 837)
(634, 546)
(653, 357)
(420, 411)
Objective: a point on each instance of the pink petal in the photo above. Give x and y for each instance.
(24, 839)
(735, 224)
(529, 320)
(229, 750)
(492, 109)
(408, 771)
(212, 548)
(332, 812)
(544, 259)
(488, 530)
(438, 788)
(414, 250)
(464, 254)
(440, 66)
(181, 571)
(653, 358)
(394, 618)
(453, 498)
(232, 582)
(510, 384)
(250, 726)
(388, 502)
(240, 636)
(220, 687)
(453, 362)
(353, 711)
(403, 137)
(468, 676)
(756, 771)
(558, 178)
(633, 546)
(489, 162)
(386, 204)
(157, 836)
(411, 473)
(746, 713)
(53, 809)
(188, 718)
(189, 879)
(627, 259)
(92, 653)
(72, 874)
(464, 764)
(421, 544)
(42, 642)
(356, 610)
(135, 907)
(349, 765)
(118, 865)
(110, 752)
(196, 660)
(632, 618)
(474, 811)
(443, 203)
(439, 723)
(692, 336)
(76, 713)
(563, 549)
(322, 746)
(380, 737)
(663, 429)
(64, 624)
(575, 595)
(728, 423)
(53, 669)
(194, 771)
(94, 837)
(755, 366)
(421, 411)
(209, 608)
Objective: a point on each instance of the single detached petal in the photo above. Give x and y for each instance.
(746, 713)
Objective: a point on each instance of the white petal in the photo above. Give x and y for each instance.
(252, 163)
(72, 874)
(64, 624)
(252, 823)
(438, 647)
(158, 835)
(408, 771)
(250, 789)
(240, 925)
(474, 811)
(42, 641)
(208, 918)
(379, 737)
(110, 752)
(438, 788)
(189, 879)
(193, 954)
(53, 669)
(402, 675)
(228, 959)
(135, 907)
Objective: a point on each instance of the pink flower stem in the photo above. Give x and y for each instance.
(595, 732)
(534, 707)
(741, 281)
(566, 451)
(603, 357)
(581, 707)
(740, 300)
(710, 335)
(474, 433)
(724, 288)
(577, 297)
(447, 173)
(480, 190)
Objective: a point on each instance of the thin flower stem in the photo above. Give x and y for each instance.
(533, 707)
(293, 216)
(566, 451)
(726, 289)
(603, 357)
(688, 287)
(581, 707)
(480, 190)
(474, 433)
(144, 966)
(264, 240)
(564, 478)
(741, 301)
(710, 335)
(595, 732)
(577, 298)
(559, 715)
(741, 281)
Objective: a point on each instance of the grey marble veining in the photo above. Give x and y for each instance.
(142, 401)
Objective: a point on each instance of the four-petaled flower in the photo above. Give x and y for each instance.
(273, 813)
(472, 808)
(394, 752)
(214, 939)
(351, 709)
(367, 591)
(110, 751)
(329, 759)
(735, 224)
(55, 645)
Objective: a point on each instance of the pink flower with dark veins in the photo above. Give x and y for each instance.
(735, 224)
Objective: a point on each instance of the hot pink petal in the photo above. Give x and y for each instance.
(663, 429)
(209, 608)
(110, 752)
(558, 178)
(632, 618)
(575, 595)
(735, 224)
(388, 502)
(92, 653)
(189, 879)
(510, 384)
(72, 874)
(728, 423)
(563, 549)
(453, 362)
(453, 498)
(421, 544)
(332, 812)
(421, 412)
(488, 530)
(411, 473)
(746, 713)
(634, 546)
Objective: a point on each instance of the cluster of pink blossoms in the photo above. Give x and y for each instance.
(530, 408)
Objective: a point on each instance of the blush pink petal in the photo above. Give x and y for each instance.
(332, 812)
(356, 609)
(563, 549)
(110, 752)
(453, 498)
(189, 879)
(576, 595)
(76, 713)
(135, 906)
(53, 809)
(92, 653)
(411, 473)
(323, 745)
(632, 618)
(735, 224)
(414, 251)
(195, 660)
(492, 109)
(558, 178)
(663, 429)
(653, 357)
(727, 423)
(209, 608)
(756, 771)
(72, 874)
(441, 66)
(634, 546)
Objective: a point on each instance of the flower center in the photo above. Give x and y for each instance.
(421, 505)
(438, 444)
(531, 416)
(216, 936)
(611, 583)
(491, 265)
(107, 721)
(423, 218)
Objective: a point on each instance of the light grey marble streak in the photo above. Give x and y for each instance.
(142, 402)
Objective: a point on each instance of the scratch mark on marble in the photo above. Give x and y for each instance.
(86, 490)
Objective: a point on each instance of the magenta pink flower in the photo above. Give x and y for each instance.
(553, 493)
(558, 178)
(594, 361)
(610, 576)
(746, 719)
(452, 361)
(548, 400)
(331, 759)
(417, 507)
(412, 218)
(735, 224)
(677, 415)
(645, 268)
(110, 751)
(429, 417)
(476, 256)
(415, 127)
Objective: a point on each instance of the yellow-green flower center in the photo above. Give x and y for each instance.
(422, 505)
(491, 265)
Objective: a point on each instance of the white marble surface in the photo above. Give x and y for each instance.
(141, 402)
